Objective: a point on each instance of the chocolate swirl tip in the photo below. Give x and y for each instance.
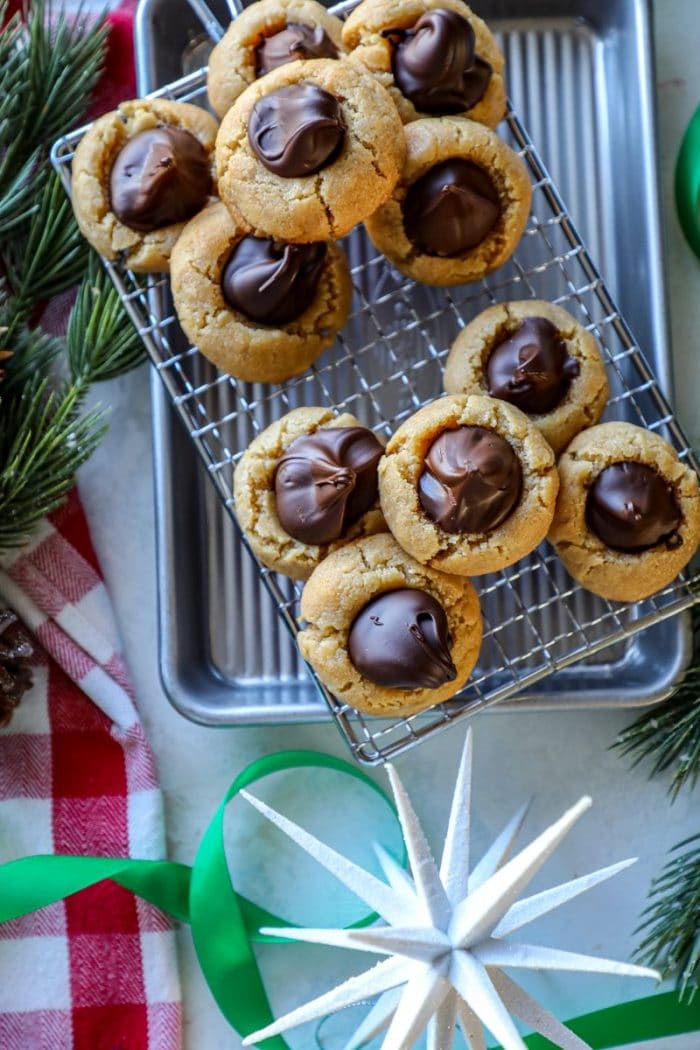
(160, 177)
(326, 481)
(296, 130)
(531, 368)
(272, 283)
(295, 41)
(401, 640)
(472, 481)
(435, 65)
(632, 508)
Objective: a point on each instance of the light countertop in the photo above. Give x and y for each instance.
(554, 758)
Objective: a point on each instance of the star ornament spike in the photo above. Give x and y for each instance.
(446, 938)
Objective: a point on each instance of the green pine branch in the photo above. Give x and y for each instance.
(48, 253)
(669, 735)
(34, 353)
(43, 441)
(49, 64)
(100, 342)
(671, 921)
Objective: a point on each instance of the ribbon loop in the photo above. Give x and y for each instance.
(224, 924)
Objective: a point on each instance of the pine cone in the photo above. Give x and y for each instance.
(16, 651)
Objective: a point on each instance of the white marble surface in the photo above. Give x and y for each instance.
(554, 757)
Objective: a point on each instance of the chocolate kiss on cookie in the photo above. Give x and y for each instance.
(325, 481)
(160, 177)
(296, 130)
(401, 640)
(451, 209)
(630, 507)
(272, 283)
(472, 480)
(295, 41)
(531, 368)
(435, 65)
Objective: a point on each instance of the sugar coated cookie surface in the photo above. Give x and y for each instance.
(628, 513)
(138, 175)
(309, 150)
(386, 634)
(460, 207)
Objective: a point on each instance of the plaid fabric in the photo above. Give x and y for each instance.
(98, 971)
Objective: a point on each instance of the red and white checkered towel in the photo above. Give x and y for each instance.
(97, 971)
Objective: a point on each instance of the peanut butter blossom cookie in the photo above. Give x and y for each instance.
(386, 634)
(306, 486)
(468, 485)
(260, 309)
(628, 513)
(436, 57)
(309, 150)
(139, 174)
(266, 35)
(536, 356)
(461, 205)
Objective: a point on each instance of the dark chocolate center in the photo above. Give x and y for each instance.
(472, 480)
(326, 481)
(295, 41)
(631, 507)
(401, 640)
(160, 177)
(451, 209)
(435, 65)
(531, 368)
(296, 130)
(272, 283)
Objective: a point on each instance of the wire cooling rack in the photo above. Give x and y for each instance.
(384, 366)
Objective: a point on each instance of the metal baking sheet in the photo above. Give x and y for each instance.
(583, 85)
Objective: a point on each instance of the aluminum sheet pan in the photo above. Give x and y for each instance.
(584, 87)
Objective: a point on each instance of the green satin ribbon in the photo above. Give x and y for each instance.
(687, 183)
(224, 923)
(656, 1017)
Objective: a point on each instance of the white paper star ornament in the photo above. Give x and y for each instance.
(446, 938)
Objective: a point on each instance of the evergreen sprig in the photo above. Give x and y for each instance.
(100, 345)
(671, 921)
(47, 253)
(43, 441)
(49, 64)
(669, 735)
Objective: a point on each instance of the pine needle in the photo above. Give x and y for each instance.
(33, 353)
(101, 343)
(43, 441)
(671, 921)
(48, 253)
(669, 735)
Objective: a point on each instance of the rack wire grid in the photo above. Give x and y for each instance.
(386, 364)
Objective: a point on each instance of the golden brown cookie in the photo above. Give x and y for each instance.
(468, 485)
(460, 207)
(314, 473)
(333, 149)
(260, 310)
(628, 513)
(144, 125)
(265, 35)
(374, 616)
(536, 356)
(436, 57)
